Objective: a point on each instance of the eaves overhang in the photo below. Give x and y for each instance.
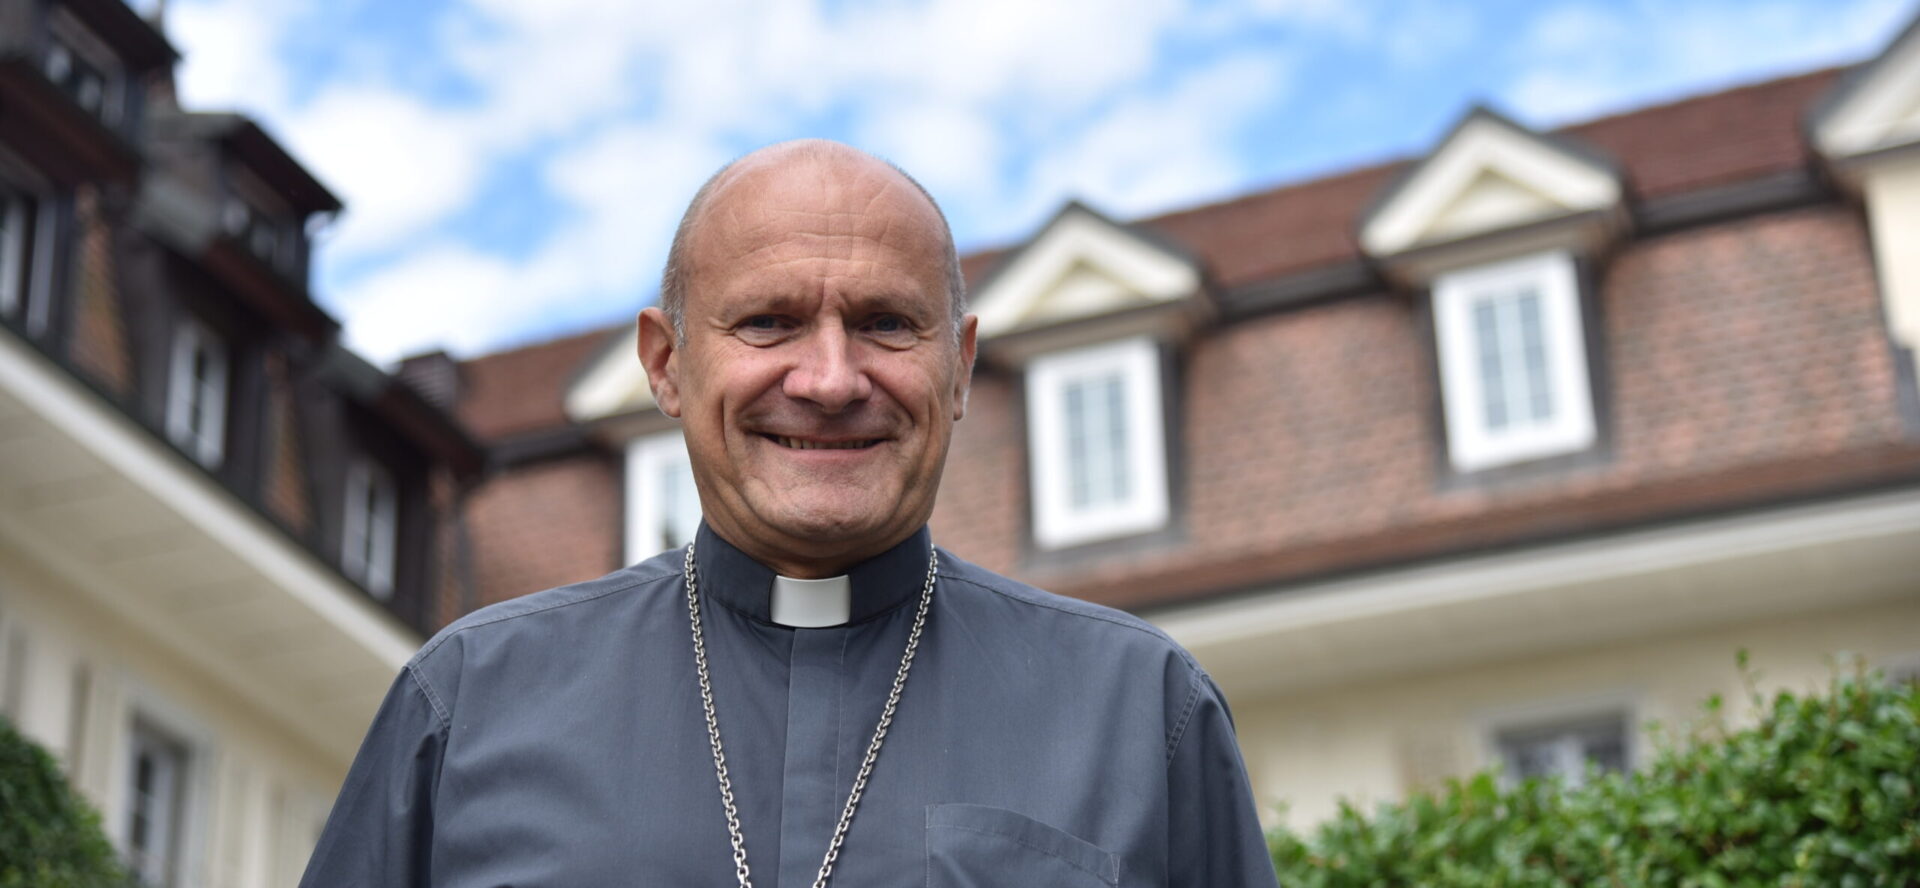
(247, 142)
(147, 536)
(1555, 597)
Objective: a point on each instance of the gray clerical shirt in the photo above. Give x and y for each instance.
(558, 740)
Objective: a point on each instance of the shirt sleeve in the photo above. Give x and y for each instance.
(380, 833)
(1214, 834)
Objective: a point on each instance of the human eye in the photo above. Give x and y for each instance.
(890, 327)
(763, 328)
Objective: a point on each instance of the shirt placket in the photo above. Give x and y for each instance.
(808, 808)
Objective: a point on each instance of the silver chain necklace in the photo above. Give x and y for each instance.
(873, 746)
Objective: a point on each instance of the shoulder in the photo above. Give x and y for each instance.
(1045, 612)
(528, 615)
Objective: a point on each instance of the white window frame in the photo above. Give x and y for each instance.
(647, 459)
(370, 527)
(164, 829)
(1471, 446)
(1056, 522)
(207, 443)
(1568, 712)
(163, 716)
(15, 245)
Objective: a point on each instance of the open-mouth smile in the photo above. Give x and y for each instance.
(810, 444)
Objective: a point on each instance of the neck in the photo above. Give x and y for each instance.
(733, 576)
(809, 559)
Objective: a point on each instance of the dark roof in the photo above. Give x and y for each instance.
(254, 147)
(139, 43)
(524, 390)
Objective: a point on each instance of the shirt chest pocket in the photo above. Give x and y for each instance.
(977, 846)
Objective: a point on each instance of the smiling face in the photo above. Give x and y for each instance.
(819, 378)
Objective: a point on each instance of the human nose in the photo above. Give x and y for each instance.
(829, 372)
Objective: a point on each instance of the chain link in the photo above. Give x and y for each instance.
(873, 746)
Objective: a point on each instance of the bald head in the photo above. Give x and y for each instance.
(740, 178)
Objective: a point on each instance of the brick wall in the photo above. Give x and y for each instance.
(545, 524)
(979, 514)
(99, 346)
(286, 484)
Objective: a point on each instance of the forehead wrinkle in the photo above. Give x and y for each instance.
(851, 243)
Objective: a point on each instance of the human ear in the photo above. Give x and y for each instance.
(963, 376)
(658, 347)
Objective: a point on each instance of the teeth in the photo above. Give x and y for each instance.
(800, 444)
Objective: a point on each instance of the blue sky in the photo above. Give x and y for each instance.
(513, 168)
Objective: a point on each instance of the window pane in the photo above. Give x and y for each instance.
(1511, 353)
(1096, 432)
(15, 210)
(1116, 440)
(1079, 474)
(157, 804)
(1493, 389)
(678, 504)
(1534, 350)
(1565, 750)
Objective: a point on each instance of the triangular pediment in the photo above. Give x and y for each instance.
(612, 383)
(1877, 107)
(1490, 174)
(1081, 265)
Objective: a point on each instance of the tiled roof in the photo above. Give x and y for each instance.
(1738, 134)
(524, 390)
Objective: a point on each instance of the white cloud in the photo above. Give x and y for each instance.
(1421, 32)
(955, 151)
(231, 53)
(445, 295)
(627, 186)
(1579, 59)
(1152, 152)
(400, 164)
(923, 85)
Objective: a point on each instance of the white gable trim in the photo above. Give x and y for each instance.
(613, 385)
(1058, 277)
(1468, 187)
(1878, 111)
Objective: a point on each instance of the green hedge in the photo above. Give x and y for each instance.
(1819, 792)
(49, 836)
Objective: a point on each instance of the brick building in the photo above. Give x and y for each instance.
(217, 526)
(1484, 456)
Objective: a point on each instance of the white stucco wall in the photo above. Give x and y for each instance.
(257, 793)
(1370, 742)
(1892, 191)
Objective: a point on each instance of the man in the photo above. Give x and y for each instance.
(811, 693)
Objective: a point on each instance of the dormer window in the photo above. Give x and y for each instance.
(1097, 443)
(1513, 362)
(197, 392)
(370, 527)
(265, 239)
(84, 68)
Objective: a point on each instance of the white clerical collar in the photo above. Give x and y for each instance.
(812, 604)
